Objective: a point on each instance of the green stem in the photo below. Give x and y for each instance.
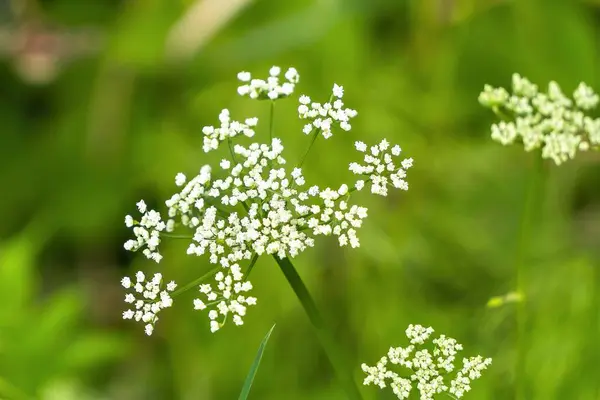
(340, 365)
(533, 202)
(231, 152)
(271, 122)
(251, 266)
(314, 138)
(195, 282)
(170, 236)
(594, 355)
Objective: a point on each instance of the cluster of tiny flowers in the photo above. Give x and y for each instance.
(227, 298)
(426, 369)
(146, 231)
(380, 169)
(148, 298)
(271, 88)
(228, 130)
(252, 205)
(324, 116)
(550, 121)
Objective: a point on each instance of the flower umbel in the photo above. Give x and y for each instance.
(270, 88)
(324, 116)
(148, 298)
(426, 369)
(550, 121)
(380, 169)
(254, 203)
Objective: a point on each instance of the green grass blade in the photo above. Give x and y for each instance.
(252, 373)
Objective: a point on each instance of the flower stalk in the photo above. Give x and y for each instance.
(532, 202)
(339, 364)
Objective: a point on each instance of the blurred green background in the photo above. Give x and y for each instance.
(102, 103)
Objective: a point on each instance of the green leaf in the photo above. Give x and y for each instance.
(255, 364)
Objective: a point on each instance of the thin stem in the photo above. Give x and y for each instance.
(170, 236)
(231, 152)
(271, 120)
(314, 138)
(340, 365)
(251, 266)
(594, 354)
(533, 201)
(195, 282)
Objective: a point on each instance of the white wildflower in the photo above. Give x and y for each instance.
(227, 130)
(325, 117)
(380, 167)
(227, 297)
(426, 371)
(550, 121)
(180, 179)
(271, 88)
(255, 204)
(147, 232)
(148, 299)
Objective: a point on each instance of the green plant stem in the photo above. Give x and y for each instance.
(533, 201)
(271, 119)
(195, 282)
(251, 266)
(340, 365)
(595, 327)
(231, 152)
(170, 236)
(312, 141)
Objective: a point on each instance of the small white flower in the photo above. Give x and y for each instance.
(244, 76)
(126, 282)
(141, 205)
(274, 71)
(128, 221)
(360, 146)
(338, 91)
(149, 329)
(180, 179)
(225, 164)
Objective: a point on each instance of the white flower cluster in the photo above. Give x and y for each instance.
(227, 298)
(251, 205)
(550, 121)
(380, 169)
(427, 368)
(148, 298)
(146, 231)
(325, 116)
(270, 89)
(228, 130)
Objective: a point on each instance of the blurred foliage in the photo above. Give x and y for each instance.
(85, 134)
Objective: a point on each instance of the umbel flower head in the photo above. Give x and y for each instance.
(430, 371)
(254, 203)
(548, 120)
(147, 298)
